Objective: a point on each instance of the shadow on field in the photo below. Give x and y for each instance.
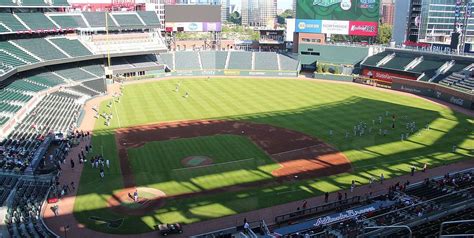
(433, 146)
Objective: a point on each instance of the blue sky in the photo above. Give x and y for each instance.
(282, 4)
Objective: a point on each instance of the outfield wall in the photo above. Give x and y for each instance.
(218, 72)
(437, 91)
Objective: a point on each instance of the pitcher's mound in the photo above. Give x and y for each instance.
(124, 202)
(195, 161)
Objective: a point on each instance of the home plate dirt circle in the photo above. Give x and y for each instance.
(149, 199)
(195, 161)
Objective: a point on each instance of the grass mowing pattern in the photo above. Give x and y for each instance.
(236, 160)
(310, 107)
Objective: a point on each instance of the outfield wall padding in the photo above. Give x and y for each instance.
(437, 91)
(228, 73)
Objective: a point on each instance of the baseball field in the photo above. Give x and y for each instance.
(235, 145)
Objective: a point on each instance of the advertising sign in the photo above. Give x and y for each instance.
(335, 27)
(361, 28)
(385, 76)
(345, 17)
(342, 10)
(309, 26)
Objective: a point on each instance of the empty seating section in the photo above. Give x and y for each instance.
(7, 46)
(11, 22)
(97, 19)
(150, 18)
(399, 61)
(374, 59)
(141, 61)
(125, 20)
(36, 21)
(459, 81)
(73, 48)
(287, 63)
(167, 60)
(47, 79)
(240, 60)
(84, 90)
(97, 84)
(23, 85)
(209, 60)
(95, 69)
(75, 74)
(7, 3)
(41, 48)
(9, 60)
(33, 3)
(12, 96)
(9, 108)
(429, 67)
(60, 3)
(120, 63)
(266, 61)
(187, 61)
(3, 120)
(69, 21)
(55, 112)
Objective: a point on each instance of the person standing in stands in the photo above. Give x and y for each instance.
(102, 175)
(72, 164)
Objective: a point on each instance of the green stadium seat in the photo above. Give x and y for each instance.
(33, 3)
(11, 22)
(150, 18)
(374, 59)
(60, 3)
(7, 46)
(287, 63)
(213, 59)
(36, 21)
(69, 21)
(9, 60)
(7, 3)
(73, 47)
(41, 48)
(6, 107)
(187, 60)
(97, 19)
(399, 61)
(75, 74)
(266, 61)
(240, 60)
(167, 59)
(125, 20)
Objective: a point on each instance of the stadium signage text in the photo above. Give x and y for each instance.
(343, 216)
(411, 90)
(457, 101)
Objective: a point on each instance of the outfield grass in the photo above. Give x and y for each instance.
(236, 160)
(310, 107)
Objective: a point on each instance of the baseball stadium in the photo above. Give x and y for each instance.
(114, 125)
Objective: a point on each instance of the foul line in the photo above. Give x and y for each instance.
(115, 108)
(304, 148)
(209, 165)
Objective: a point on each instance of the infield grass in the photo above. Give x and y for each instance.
(313, 108)
(236, 160)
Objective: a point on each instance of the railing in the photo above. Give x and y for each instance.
(315, 210)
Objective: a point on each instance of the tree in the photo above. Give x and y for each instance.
(319, 68)
(288, 13)
(235, 18)
(385, 34)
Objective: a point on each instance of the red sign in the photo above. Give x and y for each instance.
(363, 28)
(384, 76)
